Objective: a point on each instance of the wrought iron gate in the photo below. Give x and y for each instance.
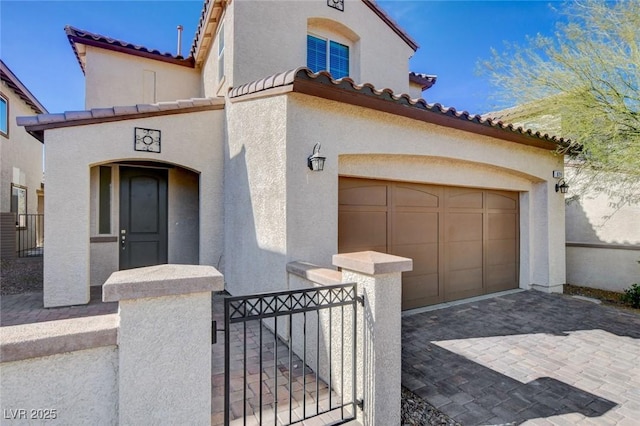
(291, 356)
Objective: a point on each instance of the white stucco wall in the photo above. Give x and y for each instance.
(20, 156)
(603, 241)
(193, 141)
(365, 143)
(86, 395)
(255, 195)
(268, 37)
(113, 78)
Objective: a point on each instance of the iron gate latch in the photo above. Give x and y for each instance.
(214, 332)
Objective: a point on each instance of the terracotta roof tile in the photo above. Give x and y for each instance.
(425, 80)
(77, 36)
(38, 123)
(20, 89)
(325, 79)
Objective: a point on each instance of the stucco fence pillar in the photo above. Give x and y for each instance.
(164, 343)
(148, 364)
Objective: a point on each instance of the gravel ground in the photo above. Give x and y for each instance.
(416, 411)
(23, 275)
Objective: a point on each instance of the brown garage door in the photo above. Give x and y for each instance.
(463, 241)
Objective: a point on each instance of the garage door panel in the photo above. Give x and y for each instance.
(425, 257)
(500, 252)
(502, 200)
(463, 227)
(467, 282)
(419, 291)
(417, 196)
(372, 195)
(414, 228)
(464, 198)
(464, 255)
(362, 229)
(502, 277)
(463, 241)
(502, 226)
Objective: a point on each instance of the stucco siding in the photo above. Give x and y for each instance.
(606, 268)
(260, 49)
(113, 78)
(256, 199)
(603, 241)
(193, 141)
(364, 143)
(20, 156)
(46, 383)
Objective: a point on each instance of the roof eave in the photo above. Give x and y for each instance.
(392, 24)
(21, 90)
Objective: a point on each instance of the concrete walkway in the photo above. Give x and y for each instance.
(526, 358)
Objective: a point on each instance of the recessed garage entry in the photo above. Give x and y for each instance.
(463, 241)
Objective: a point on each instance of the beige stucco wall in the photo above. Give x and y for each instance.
(20, 156)
(605, 268)
(268, 37)
(256, 198)
(113, 78)
(86, 395)
(366, 143)
(193, 141)
(609, 240)
(183, 217)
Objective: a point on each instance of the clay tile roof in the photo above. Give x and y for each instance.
(81, 37)
(424, 80)
(322, 84)
(20, 89)
(37, 124)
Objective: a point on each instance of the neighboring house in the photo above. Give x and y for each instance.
(207, 161)
(21, 190)
(602, 238)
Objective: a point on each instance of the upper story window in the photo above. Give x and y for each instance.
(4, 115)
(324, 54)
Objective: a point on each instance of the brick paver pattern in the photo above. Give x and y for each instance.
(529, 357)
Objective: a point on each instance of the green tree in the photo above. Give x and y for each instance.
(588, 74)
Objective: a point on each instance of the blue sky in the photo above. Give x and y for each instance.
(453, 36)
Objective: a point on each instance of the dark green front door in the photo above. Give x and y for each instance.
(143, 217)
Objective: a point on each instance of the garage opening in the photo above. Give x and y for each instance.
(463, 241)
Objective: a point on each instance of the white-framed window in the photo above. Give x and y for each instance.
(324, 54)
(4, 115)
(221, 53)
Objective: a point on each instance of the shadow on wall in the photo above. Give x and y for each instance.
(248, 267)
(475, 394)
(611, 226)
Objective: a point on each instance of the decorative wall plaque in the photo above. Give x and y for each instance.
(336, 4)
(146, 140)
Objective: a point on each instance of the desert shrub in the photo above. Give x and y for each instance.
(631, 296)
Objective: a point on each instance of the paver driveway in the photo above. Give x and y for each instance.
(527, 357)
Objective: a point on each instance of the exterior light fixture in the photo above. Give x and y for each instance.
(315, 161)
(562, 186)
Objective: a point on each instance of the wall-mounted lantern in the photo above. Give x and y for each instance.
(315, 161)
(562, 186)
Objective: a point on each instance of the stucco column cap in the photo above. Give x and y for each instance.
(372, 262)
(161, 280)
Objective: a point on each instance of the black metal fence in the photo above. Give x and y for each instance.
(30, 235)
(291, 356)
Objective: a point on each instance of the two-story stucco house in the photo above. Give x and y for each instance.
(21, 190)
(204, 160)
